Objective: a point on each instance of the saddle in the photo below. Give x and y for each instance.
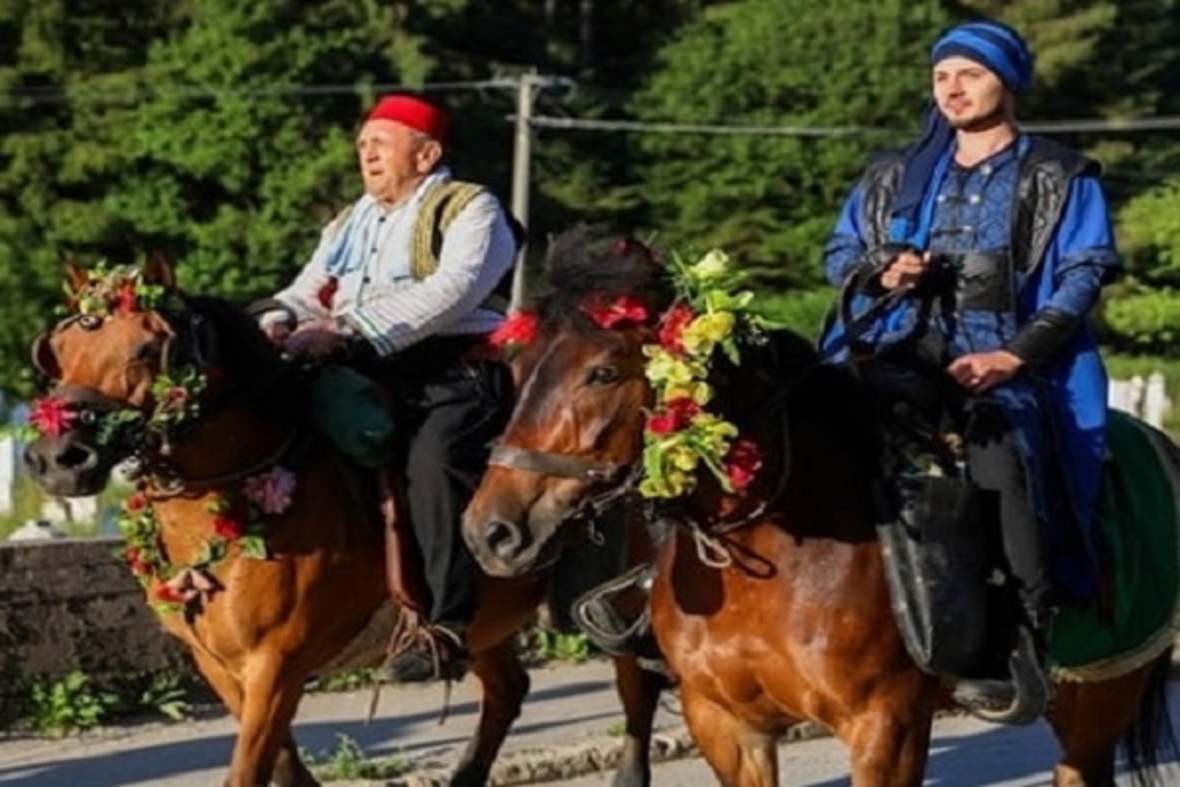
(355, 413)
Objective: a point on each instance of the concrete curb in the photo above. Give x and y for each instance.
(558, 763)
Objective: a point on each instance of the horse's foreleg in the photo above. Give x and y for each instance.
(739, 754)
(887, 749)
(504, 683)
(639, 689)
(270, 699)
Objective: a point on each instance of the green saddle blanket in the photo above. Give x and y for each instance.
(1138, 514)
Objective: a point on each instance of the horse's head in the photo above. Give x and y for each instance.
(130, 367)
(578, 423)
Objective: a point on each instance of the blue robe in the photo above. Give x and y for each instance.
(972, 211)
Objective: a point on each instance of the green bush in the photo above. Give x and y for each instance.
(802, 311)
(68, 705)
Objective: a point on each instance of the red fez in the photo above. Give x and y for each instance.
(414, 112)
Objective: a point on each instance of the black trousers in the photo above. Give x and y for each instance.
(449, 409)
(998, 469)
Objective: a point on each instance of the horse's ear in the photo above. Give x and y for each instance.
(157, 270)
(44, 358)
(76, 277)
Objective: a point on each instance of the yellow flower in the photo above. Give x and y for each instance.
(682, 457)
(673, 484)
(697, 390)
(711, 267)
(664, 369)
(705, 331)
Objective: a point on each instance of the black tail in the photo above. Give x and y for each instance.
(1150, 741)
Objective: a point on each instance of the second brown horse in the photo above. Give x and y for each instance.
(770, 608)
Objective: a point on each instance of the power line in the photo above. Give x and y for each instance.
(549, 121)
(1081, 125)
(59, 94)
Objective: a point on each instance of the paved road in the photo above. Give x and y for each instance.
(572, 710)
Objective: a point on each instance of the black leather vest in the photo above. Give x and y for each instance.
(986, 281)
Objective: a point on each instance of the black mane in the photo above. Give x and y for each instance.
(247, 358)
(591, 263)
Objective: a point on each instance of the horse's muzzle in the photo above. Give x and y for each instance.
(501, 547)
(65, 466)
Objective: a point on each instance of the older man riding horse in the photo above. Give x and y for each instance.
(770, 599)
(258, 544)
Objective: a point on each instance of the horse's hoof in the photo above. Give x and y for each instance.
(469, 776)
(631, 778)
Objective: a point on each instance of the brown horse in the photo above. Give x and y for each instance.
(770, 608)
(261, 611)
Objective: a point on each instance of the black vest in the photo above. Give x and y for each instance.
(1046, 170)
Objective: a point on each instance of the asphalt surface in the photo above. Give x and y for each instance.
(569, 728)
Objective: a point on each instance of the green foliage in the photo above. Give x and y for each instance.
(800, 311)
(220, 134)
(168, 695)
(770, 200)
(349, 761)
(343, 680)
(1142, 320)
(1149, 234)
(68, 705)
(544, 645)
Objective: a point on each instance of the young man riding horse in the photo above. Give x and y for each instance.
(981, 249)
(382, 289)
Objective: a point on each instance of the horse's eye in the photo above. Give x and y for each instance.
(604, 375)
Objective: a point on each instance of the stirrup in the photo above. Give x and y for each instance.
(1022, 699)
(596, 614)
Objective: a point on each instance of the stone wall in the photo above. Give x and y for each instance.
(71, 604)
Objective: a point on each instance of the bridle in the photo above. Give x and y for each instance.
(129, 430)
(615, 480)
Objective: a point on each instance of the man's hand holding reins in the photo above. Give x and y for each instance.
(905, 271)
(315, 339)
(980, 372)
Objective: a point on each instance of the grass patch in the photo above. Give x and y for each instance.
(349, 761)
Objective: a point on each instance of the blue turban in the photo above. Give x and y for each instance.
(1002, 51)
(993, 45)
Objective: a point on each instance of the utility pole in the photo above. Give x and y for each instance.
(528, 86)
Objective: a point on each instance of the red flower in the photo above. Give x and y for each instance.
(169, 595)
(126, 300)
(661, 424)
(326, 294)
(52, 416)
(675, 415)
(519, 329)
(227, 528)
(742, 464)
(623, 309)
(673, 325)
(135, 502)
(139, 566)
